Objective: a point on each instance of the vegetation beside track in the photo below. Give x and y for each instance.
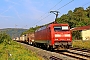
(81, 44)
(15, 51)
(11, 50)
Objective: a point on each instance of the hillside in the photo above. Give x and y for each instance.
(13, 32)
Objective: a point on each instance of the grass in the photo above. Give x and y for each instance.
(81, 44)
(15, 51)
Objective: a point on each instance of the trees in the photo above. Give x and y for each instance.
(4, 38)
(76, 18)
(88, 11)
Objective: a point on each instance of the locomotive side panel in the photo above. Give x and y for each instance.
(42, 36)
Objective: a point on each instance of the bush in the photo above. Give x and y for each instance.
(4, 38)
(81, 44)
(76, 35)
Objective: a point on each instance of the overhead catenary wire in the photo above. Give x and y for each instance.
(57, 9)
(47, 12)
(56, 5)
(51, 8)
(65, 4)
(42, 19)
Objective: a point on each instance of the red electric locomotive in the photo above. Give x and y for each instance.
(54, 36)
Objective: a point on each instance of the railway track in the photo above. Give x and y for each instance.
(72, 53)
(80, 54)
(47, 55)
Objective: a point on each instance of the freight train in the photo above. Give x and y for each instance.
(53, 36)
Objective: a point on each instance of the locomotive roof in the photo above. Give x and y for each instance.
(53, 24)
(59, 24)
(49, 25)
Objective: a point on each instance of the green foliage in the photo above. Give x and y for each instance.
(78, 17)
(16, 52)
(4, 38)
(76, 35)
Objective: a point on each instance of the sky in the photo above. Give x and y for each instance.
(29, 13)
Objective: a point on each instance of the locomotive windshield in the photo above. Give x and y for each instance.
(60, 28)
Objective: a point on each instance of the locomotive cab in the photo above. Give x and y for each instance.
(61, 36)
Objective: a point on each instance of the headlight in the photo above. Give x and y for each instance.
(32, 40)
(67, 35)
(57, 35)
